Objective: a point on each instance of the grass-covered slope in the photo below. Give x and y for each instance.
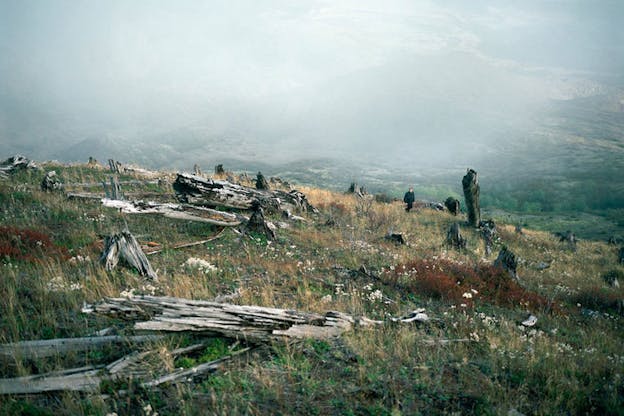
(570, 362)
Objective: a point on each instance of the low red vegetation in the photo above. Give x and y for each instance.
(28, 245)
(462, 284)
(601, 299)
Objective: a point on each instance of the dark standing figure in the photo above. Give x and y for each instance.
(409, 199)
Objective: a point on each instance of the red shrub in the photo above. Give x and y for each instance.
(459, 283)
(28, 245)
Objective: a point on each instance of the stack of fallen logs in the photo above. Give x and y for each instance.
(249, 326)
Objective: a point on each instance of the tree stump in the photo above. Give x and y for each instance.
(218, 170)
(396, 238)
(261, 182)
(568, 237)
(508, 261)
(452, 204)
(621, 256)
(113, 191)
(114, 166)
(124, 246)
(356, 189)
(454, 237)
(196, 170)
(92, 163)
(257, 223)
(51, 182)
(470, 183)
(488, 231)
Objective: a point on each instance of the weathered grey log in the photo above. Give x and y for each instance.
(508, 261)
(52, 347)
(178, 211)
(453, 205)
(76, 379)
(470, 184)
(255, 324)
(14, 164)
(51, 182)
(488, 231)
(214, 193)
(124, 246)
(257, 224)
(261, 182)
(454, 238)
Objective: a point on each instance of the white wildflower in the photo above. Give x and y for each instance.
(467, 295)
(200, 264)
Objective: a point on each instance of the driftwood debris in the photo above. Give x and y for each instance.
(51, 182)
(214, 193)
(15, 164)
(124, 246)
(453, 205)
(508, 261)
(454, 238)
(178, 211)
(255, 324)
(470, 184)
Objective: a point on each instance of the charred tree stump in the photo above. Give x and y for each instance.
(452, 204)
(217, 193)
(454, 237)
(470, 183)
(261, 182)
(507, 260)
(568, 237)
(488, 231)
(218, 170)
(125, 247)
(51, 182)
(257, 223)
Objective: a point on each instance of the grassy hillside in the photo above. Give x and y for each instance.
(570, 362)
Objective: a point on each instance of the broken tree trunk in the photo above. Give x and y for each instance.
(196, 170)
(454, 237)
(51, 182)
(254, 324)
(508, 261)
(213, 193)
(218, 170)
(452, 204)
(257, 223)
(470, 183)
(124, 246)
(178, 211)
(113, 191)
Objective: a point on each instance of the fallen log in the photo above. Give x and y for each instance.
(191, 189)
(52, 347)
(15, 164)
(254, 324)
(177, 211)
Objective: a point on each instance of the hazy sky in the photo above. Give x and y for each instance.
(291, 73)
